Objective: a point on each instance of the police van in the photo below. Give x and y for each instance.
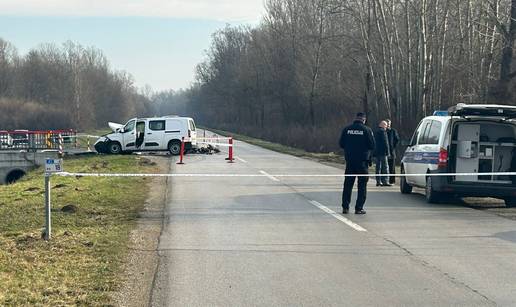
(149, 134)
(468, 140)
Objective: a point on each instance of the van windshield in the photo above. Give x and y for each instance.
(129, 126)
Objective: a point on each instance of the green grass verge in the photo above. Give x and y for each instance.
(82, 262)
(322, 157)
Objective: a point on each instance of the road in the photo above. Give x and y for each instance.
(267, 241)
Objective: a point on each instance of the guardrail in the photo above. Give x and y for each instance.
(37, 140)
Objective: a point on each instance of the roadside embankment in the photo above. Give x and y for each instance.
(92, 220)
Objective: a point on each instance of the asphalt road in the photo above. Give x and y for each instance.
(267, 241)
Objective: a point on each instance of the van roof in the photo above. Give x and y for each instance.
(164, 117)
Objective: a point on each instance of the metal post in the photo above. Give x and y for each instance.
(230, 154)
(182, 151)
(48, 224)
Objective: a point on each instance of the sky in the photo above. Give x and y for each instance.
(159, 42)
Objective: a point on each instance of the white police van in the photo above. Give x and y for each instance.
(468, 139)
(149, 134)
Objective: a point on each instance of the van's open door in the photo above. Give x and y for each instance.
(490, 110)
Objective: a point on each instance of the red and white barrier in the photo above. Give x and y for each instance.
(214, 141)
(61, 149)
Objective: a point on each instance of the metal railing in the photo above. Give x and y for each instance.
(37, 140)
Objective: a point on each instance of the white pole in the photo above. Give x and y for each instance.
(48, 225)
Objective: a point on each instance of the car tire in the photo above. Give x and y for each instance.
(510, 202)
(431, 195)
(174, 148)
(114, 148)
(405, 188)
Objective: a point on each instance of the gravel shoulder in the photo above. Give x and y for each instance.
(142, 259)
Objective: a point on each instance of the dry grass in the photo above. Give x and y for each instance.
(81, 264)
(322, 157)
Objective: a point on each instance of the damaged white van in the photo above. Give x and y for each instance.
(149, 134)
(468, 139)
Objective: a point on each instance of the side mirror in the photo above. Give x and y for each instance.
(405, 143)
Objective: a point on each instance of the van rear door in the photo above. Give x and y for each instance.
(192, 132)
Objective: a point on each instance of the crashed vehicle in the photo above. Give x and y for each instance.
(149, 134)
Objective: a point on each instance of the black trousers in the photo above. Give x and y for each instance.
(392, 170)
(355, 168)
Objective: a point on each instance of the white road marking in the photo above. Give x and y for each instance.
(270, 176)
(241, 160)
(338, 216)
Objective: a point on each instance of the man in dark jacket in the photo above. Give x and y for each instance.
(394, 139)
(381, 153)
(357, 141)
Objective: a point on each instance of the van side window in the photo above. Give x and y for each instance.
(157, 125)
(423, 134)
(435, 132)
(129, 126)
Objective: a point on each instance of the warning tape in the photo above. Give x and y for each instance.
(220, 139)
(68, 174)
(216, 144)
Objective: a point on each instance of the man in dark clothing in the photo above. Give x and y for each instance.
(394, 139)
(381, 153)
(357, 141)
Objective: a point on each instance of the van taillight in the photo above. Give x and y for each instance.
(443, 157)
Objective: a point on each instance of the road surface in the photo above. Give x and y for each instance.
(275, 241)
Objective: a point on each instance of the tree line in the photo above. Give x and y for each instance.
(302, 73)
(61, 87)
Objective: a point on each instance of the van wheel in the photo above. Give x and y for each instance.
(510, 202)
(405, 188)
(114, 148)
(432, 196)
(174, 147)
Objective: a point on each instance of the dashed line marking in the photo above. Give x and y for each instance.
(241, 160)
(338, 216)
(269, 176)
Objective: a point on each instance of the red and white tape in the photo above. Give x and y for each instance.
(69, 174)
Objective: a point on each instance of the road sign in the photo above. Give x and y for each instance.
(53, 165)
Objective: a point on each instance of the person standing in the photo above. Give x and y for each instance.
(381, 154)
(394, 139)
(357, 140)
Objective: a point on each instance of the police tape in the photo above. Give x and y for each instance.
(69, 174)
(216, 138)
(216, 144)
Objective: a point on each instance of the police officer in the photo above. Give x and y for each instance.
(357, 141)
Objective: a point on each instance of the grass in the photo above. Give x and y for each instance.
(322, 157)
(82, 262)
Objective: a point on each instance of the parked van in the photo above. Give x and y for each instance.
(149, 134)
(467, 139)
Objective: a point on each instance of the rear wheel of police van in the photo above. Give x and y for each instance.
(174, 148)
(405, 188)
(114, 148)
(432, 196)
(510, 202)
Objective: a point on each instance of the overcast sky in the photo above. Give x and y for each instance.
(158, 41)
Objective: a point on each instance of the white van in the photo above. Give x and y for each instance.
(467, 139)
(149, 134)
